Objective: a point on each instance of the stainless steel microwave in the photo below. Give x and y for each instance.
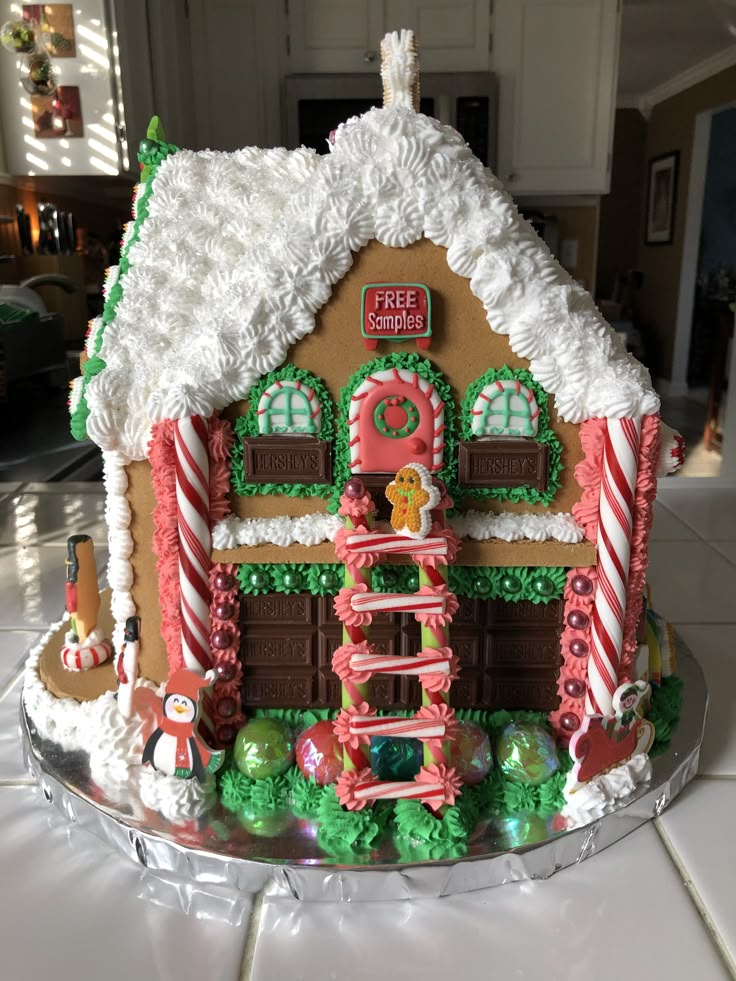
(315, 105)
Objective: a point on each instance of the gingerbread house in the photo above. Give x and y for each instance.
(285, 326)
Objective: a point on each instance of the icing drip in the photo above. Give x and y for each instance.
(588, 474)
(644, 494)
(120, 542)
(238, 251)
(166, 538)
(601, 794)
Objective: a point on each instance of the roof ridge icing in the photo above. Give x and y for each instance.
(240, 251)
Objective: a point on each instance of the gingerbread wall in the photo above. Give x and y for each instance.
(463, 347)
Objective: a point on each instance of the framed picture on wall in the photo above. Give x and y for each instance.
(662, 194)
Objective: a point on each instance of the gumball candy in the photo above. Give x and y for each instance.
(395, 759)
(582, 585)
(222, 639)
(578, 647)
(526, 753)
(354, 488)
(578, 620)
(264, 748)
(319, 753)
(470, 752)
(224, 581)
(224, 611)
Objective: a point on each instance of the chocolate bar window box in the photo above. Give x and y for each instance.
(503, 461)
(287, 459)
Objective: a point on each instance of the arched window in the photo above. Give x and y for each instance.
(505, 408)
(288, 406)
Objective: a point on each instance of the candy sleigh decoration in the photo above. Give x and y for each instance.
(85, 645)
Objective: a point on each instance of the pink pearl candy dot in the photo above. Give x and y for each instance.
(577, 619)
(354, 488)
(574, 688)
(570, 721)
(222, 639)
(578, 648)
(582, 586)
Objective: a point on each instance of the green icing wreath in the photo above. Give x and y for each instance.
(545, 434)
(247, 425)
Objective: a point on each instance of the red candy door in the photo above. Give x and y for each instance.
(396, 417)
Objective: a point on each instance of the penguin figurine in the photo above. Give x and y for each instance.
(174, 748)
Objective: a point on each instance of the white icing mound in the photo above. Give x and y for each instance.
(177, 800)
(600, 795)
(312, 529)
(240, 250)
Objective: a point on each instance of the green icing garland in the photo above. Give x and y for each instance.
(426, 370)
(154, 150)
(545, 434)
(247, 425)
(418, 834)
(513, 584)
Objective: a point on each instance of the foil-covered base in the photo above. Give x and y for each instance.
(201, 864)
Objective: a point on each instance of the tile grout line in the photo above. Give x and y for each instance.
(696, 899)
(251, 937)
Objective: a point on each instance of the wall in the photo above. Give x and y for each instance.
(718, 237)
(622, 209)
(671, 127)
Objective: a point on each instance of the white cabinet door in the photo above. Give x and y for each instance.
(335, 35)
(557, 63)
(453, 35)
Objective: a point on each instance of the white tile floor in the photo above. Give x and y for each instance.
(656, 905)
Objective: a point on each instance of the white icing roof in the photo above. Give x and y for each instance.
(240, 250)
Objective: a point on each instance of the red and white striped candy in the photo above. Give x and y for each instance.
(383, 664)
(397, 603)
(398, 726)
(193, 516)
(396, 544)
(77, 658)
(396, 789)
(615, 522)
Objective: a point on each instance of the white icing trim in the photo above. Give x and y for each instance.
(120, 542)
(75, 394)
(240, 250)
(313, 529)
(482, 526)
(309, 529)
(385, 378)
(399, 68)
(94, 326)
(601, 794)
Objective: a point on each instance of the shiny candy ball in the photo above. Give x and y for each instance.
(328, 580)
(574, 687)
(511, 584)
(258, 579)
(481, 585)
(577, 619)
(354, 488)
(526, 753)
(224, 581)
(582, 585)
(395, 759)
(222, 639)
(292, 580)
(578, 647)
(470, 752)
(226, 670)
(543, 586)
(412, 582)
(570, 721)
(264, 748)
(227, 707)
(226, 735)
(319, 753)
(224, 611)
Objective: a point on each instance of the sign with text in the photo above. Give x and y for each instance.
(503, 462)
(286, 459)
(395, 312)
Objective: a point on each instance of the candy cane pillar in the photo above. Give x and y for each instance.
(615, 522)
(193, 510)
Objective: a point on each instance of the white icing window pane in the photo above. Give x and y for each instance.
(289, 407)
(505, 408)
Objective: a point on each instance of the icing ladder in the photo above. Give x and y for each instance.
(356, 661)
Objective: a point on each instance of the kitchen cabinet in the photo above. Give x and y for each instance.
(557, 65)
(345, 35)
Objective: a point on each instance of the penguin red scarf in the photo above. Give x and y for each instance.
(184, 731)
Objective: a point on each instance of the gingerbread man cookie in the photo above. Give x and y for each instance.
(413, 496)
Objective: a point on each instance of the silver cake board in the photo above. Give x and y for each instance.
(208, 861)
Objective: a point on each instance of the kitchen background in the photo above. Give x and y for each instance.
(612, 123)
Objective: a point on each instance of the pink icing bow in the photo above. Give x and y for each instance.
(341, 726)
(356, 508)
(345, 788)
(435, 620)
(439, 681)
(437, 713)
(439, 773)
(344, 609)
(432, 561)
(353, 560)
(341, 662)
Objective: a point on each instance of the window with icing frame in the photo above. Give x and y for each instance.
(283, 441)
(508, 449)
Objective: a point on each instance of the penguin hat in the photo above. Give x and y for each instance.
(174, 748)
